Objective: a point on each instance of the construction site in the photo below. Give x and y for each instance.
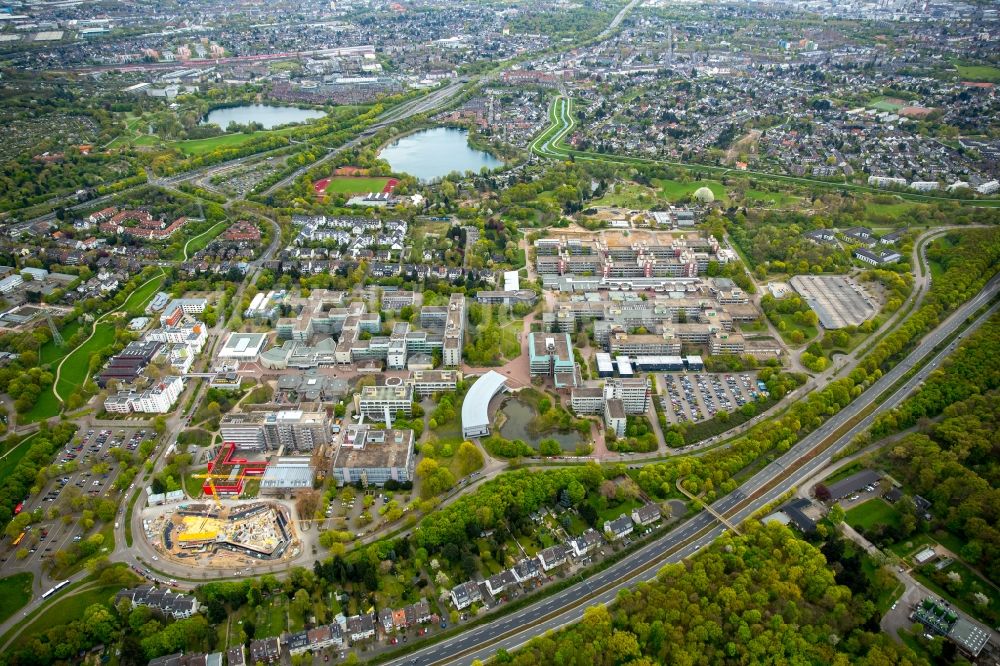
(224, 535)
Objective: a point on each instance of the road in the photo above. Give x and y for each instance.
(768, 485)
(428, 104)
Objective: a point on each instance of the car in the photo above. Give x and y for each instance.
(894, 605)
(444, 625)
(393, 641)
(155, 558)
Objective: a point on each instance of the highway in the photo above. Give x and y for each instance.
(809, 454)
(428, 104)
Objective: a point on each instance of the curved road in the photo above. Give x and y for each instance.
(809, 454)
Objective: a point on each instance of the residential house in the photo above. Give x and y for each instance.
(646, 515)
(465, 594)
(619, 528)
(552, 557)
(586, 542)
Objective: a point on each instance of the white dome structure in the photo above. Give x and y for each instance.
(704, 195)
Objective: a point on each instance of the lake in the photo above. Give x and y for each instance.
(266, 114)
(434, 153)
(519, 415)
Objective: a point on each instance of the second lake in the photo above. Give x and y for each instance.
(434, 153)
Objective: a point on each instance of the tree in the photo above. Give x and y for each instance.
(836, 514)
(469, 457)
(307, 501)
(821, 492)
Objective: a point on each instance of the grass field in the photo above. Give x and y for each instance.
(66, 609)
(871, 513)
(778, 198)
(15, 592)
(627, 195)
(75, 366)
(10, 461)
(809, 332)
(616, 509)
(202, 146)
(50, 352)
(984, 73)
(136, 302)
(199, 242)
(883, 104)
(675, 189)
(894, 210)
(355, 185)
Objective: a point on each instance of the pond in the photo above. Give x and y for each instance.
(267, 115)
(434, 153)
(515, 426)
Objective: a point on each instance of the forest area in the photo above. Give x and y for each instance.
(764, 597)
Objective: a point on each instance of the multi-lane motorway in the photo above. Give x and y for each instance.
(798, 463)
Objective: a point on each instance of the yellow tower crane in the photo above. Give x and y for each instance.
(211, 483)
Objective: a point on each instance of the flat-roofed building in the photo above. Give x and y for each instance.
(429, 382)
(614, 417)
(286, 475)
(587, 400)
(375, 402)
(293, 430)
(243, 346)
(454, 332)
(551, 355)
(374, 456)
(633, 392)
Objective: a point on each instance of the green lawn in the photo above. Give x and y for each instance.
(199, 242)
(871, 513)
(66, 609)
(627, 195)
(193, 485)
(809, 332)
(911, 546)
(892, 210)
(985, 73)
(136, 302)
(50, 351)
(75, 366)
(18, 451)
(202, 146)
(45, 407)
(15, 592)
(355, 185)
(675, 189)
(779, 198)
(616, 509)
(883, 104)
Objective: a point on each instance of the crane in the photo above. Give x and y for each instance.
(211, 483)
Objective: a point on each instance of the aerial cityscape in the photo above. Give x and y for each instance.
(585, 332)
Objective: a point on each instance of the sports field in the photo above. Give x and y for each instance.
(351, 185)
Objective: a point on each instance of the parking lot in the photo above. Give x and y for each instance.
(85, 468)
(694, 397)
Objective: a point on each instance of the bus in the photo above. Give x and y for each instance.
(55, 588)
(20, 537)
